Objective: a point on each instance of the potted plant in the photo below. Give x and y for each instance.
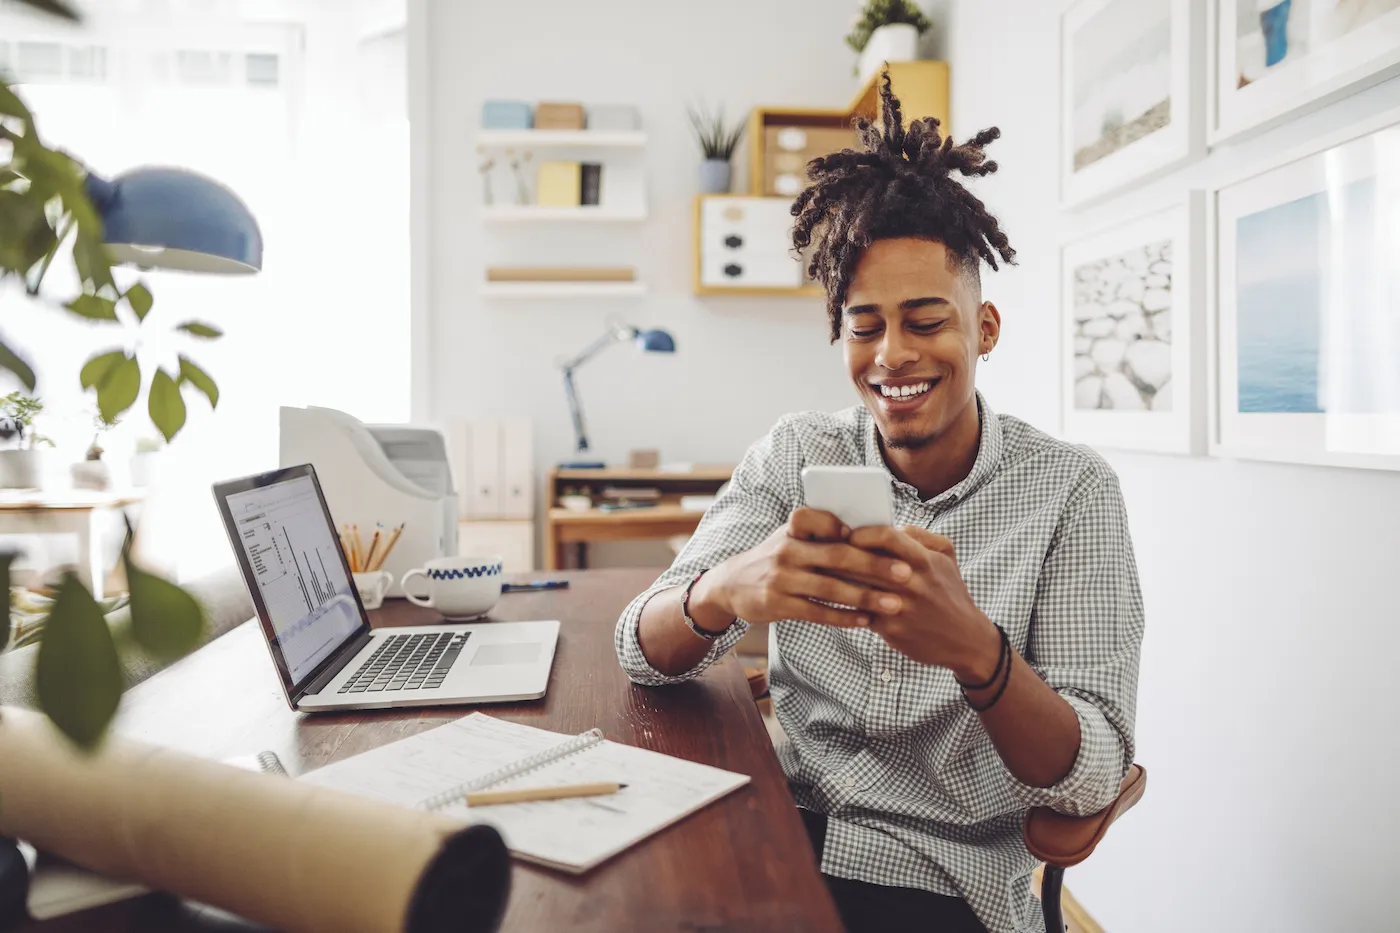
(717, 143)
(886, 31)
(143, 462)
(22, 467)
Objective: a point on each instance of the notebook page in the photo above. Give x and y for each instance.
(413, 769)
(577, 833)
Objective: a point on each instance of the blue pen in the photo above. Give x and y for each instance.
(534, 586)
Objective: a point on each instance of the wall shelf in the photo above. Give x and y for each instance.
(560, 139)
(561, 289)
(528, 212)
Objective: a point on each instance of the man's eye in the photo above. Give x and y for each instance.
(864, 333)
(926, 328)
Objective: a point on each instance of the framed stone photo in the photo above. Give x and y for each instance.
(1132, 309)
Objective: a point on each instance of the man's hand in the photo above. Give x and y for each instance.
(808, 559)
(937, 622)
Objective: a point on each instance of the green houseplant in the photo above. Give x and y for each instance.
(46, 216)
(717, 141)
(886, 31)
(21, 467)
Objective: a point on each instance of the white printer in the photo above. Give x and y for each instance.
(387, 474)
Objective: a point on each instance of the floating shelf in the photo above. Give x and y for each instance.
(560, 139)
(516, 212)
(561, 289)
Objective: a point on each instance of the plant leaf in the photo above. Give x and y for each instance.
(198, 378)
(94, 265)
(54, 8)
(197, 329)
(97, 369)
(118, 391)
(166, 406)
(12, 106)
(78, 676)
(6, 558)
(10, 360)
(93, 307)
(28, 235)
(165, 620)
(139, 298)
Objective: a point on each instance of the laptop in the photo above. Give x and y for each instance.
(317, 632)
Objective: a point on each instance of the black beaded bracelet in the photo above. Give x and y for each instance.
(1003, 657)
(1006, 679)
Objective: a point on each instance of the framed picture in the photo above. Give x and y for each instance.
(1132, 75)
(1276, 58)
(1133, 337)
(1307, 305)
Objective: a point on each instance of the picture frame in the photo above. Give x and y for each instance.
(1133, 349)
(1319, 56)
(1304, 313)
(1132, 81)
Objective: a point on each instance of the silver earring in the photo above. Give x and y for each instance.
(986, 356)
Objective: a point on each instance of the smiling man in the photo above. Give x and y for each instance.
(938, 678)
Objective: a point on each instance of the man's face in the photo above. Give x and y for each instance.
(912, 329)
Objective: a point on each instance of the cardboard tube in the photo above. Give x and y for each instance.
(294, 856)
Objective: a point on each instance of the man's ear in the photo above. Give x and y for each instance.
(989, 327)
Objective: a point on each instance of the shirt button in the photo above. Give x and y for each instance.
(886, 676)
(849, 780)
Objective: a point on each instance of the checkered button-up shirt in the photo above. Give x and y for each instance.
(915, 792)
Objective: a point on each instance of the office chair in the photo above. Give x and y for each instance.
(1061, 841)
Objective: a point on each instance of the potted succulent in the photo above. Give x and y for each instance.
(717, 142)
(23, 466)
(886, 31)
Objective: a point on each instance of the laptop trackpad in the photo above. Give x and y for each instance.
(510, 652)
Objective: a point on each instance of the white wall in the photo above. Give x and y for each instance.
(1267, 712)
(742, 362)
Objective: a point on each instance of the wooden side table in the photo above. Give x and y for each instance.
(69, 512)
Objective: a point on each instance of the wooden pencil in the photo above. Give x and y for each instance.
(388, 546)
(359, 549)
(373, 546)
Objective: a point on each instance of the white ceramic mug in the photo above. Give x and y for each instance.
(372, 586)
(458, 587)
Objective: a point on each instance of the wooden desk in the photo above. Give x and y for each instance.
(742, 863)
(564, 527)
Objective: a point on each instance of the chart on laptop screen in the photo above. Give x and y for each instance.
(296, 562)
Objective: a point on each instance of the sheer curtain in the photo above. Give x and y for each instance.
(299, 107)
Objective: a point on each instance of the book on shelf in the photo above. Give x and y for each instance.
(559, 184)
(590, 183)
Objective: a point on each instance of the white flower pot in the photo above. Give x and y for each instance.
(142, 467)
(22, 469)
(897, 42)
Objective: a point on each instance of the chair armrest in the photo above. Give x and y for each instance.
(1063, 841)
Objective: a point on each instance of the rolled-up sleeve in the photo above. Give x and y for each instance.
(758, 499)
(1085, 639)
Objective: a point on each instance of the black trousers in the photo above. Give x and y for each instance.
(878, 908)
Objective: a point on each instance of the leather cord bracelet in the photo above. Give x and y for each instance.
(690, 622)
(1003, 671)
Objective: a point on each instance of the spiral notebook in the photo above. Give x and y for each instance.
(435, 770)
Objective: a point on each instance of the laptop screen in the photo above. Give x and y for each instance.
(291, 554)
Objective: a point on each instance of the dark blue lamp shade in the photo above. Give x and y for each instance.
(655, 341)
(171, 218)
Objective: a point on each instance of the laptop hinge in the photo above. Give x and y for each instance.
(346, 654)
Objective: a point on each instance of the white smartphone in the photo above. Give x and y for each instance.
(859, 496)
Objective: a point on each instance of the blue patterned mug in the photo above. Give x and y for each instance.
(458, 587)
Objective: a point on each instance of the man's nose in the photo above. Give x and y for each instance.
(896, 349)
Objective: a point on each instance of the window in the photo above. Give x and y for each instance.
(87, 63)
(195, 68)
(39, 61)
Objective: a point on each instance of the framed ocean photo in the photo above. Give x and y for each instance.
(1307, 317)
(1132, 313)
(1280, 58)
(1131, 82)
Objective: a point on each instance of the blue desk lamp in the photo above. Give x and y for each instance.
(171, 218)
(649, 341)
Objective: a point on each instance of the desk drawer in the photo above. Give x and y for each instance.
(750, 271)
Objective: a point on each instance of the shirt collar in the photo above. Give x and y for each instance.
(989, 448)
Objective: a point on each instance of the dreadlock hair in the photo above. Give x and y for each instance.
(901, 185)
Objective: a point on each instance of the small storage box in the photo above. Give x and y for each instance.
(505, 115)
(557, 116)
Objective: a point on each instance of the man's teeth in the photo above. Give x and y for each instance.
(919, 388)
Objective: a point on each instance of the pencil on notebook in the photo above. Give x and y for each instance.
(487, 798)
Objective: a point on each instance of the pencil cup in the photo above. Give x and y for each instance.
(458, 587)
(372, 586)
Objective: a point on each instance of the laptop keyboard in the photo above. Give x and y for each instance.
(408, 662)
